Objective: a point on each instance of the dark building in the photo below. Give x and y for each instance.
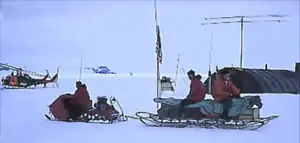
(297, 68)
(264, 81)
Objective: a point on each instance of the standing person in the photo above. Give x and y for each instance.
(223, 90)
(196, 94)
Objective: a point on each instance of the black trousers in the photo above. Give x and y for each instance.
(183, 103)
(227, 103)
(74, 110)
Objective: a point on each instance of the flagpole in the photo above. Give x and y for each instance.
(157, 58)
(155, 8)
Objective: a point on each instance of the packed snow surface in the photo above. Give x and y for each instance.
(22, 116)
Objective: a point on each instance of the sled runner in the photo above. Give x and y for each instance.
(107, 113)
(244, 115)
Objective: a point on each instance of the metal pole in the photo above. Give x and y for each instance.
(209, 62)
(176, 74)
(157, 59)
(80, 70)
(157, 81)
(242, 42)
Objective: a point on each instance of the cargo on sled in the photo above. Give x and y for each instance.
(244, 113)
(105, 110)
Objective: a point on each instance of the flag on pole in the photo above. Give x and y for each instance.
(158, 45)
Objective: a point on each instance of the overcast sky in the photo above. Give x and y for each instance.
(121, 35)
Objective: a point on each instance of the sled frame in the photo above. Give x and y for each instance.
(153, 120)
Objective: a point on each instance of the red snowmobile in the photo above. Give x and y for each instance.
(104, 111)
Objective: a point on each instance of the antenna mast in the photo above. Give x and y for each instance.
(176, 74)
(242, 20)
(80, 70)
(209, 62)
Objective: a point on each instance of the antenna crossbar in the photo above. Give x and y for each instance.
(249, 16)
(220, 20)
(239, 21)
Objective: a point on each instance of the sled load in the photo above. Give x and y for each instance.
(243, 112)
(104, 111)
(166, 84)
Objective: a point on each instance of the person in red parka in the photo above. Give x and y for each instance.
(197, 91)
(223, 90)
(79, 102)
(82, 97)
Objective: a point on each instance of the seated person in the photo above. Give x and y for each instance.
(79, 102)
(223, 90)
(196, 94)
(102, 104)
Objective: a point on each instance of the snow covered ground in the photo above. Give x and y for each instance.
(47, 34)
(22, 117)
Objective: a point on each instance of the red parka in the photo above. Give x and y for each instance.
(82, 97)
(224, 89)
(197, 90)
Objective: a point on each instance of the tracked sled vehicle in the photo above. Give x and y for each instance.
(109, 111)
(205, 114)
